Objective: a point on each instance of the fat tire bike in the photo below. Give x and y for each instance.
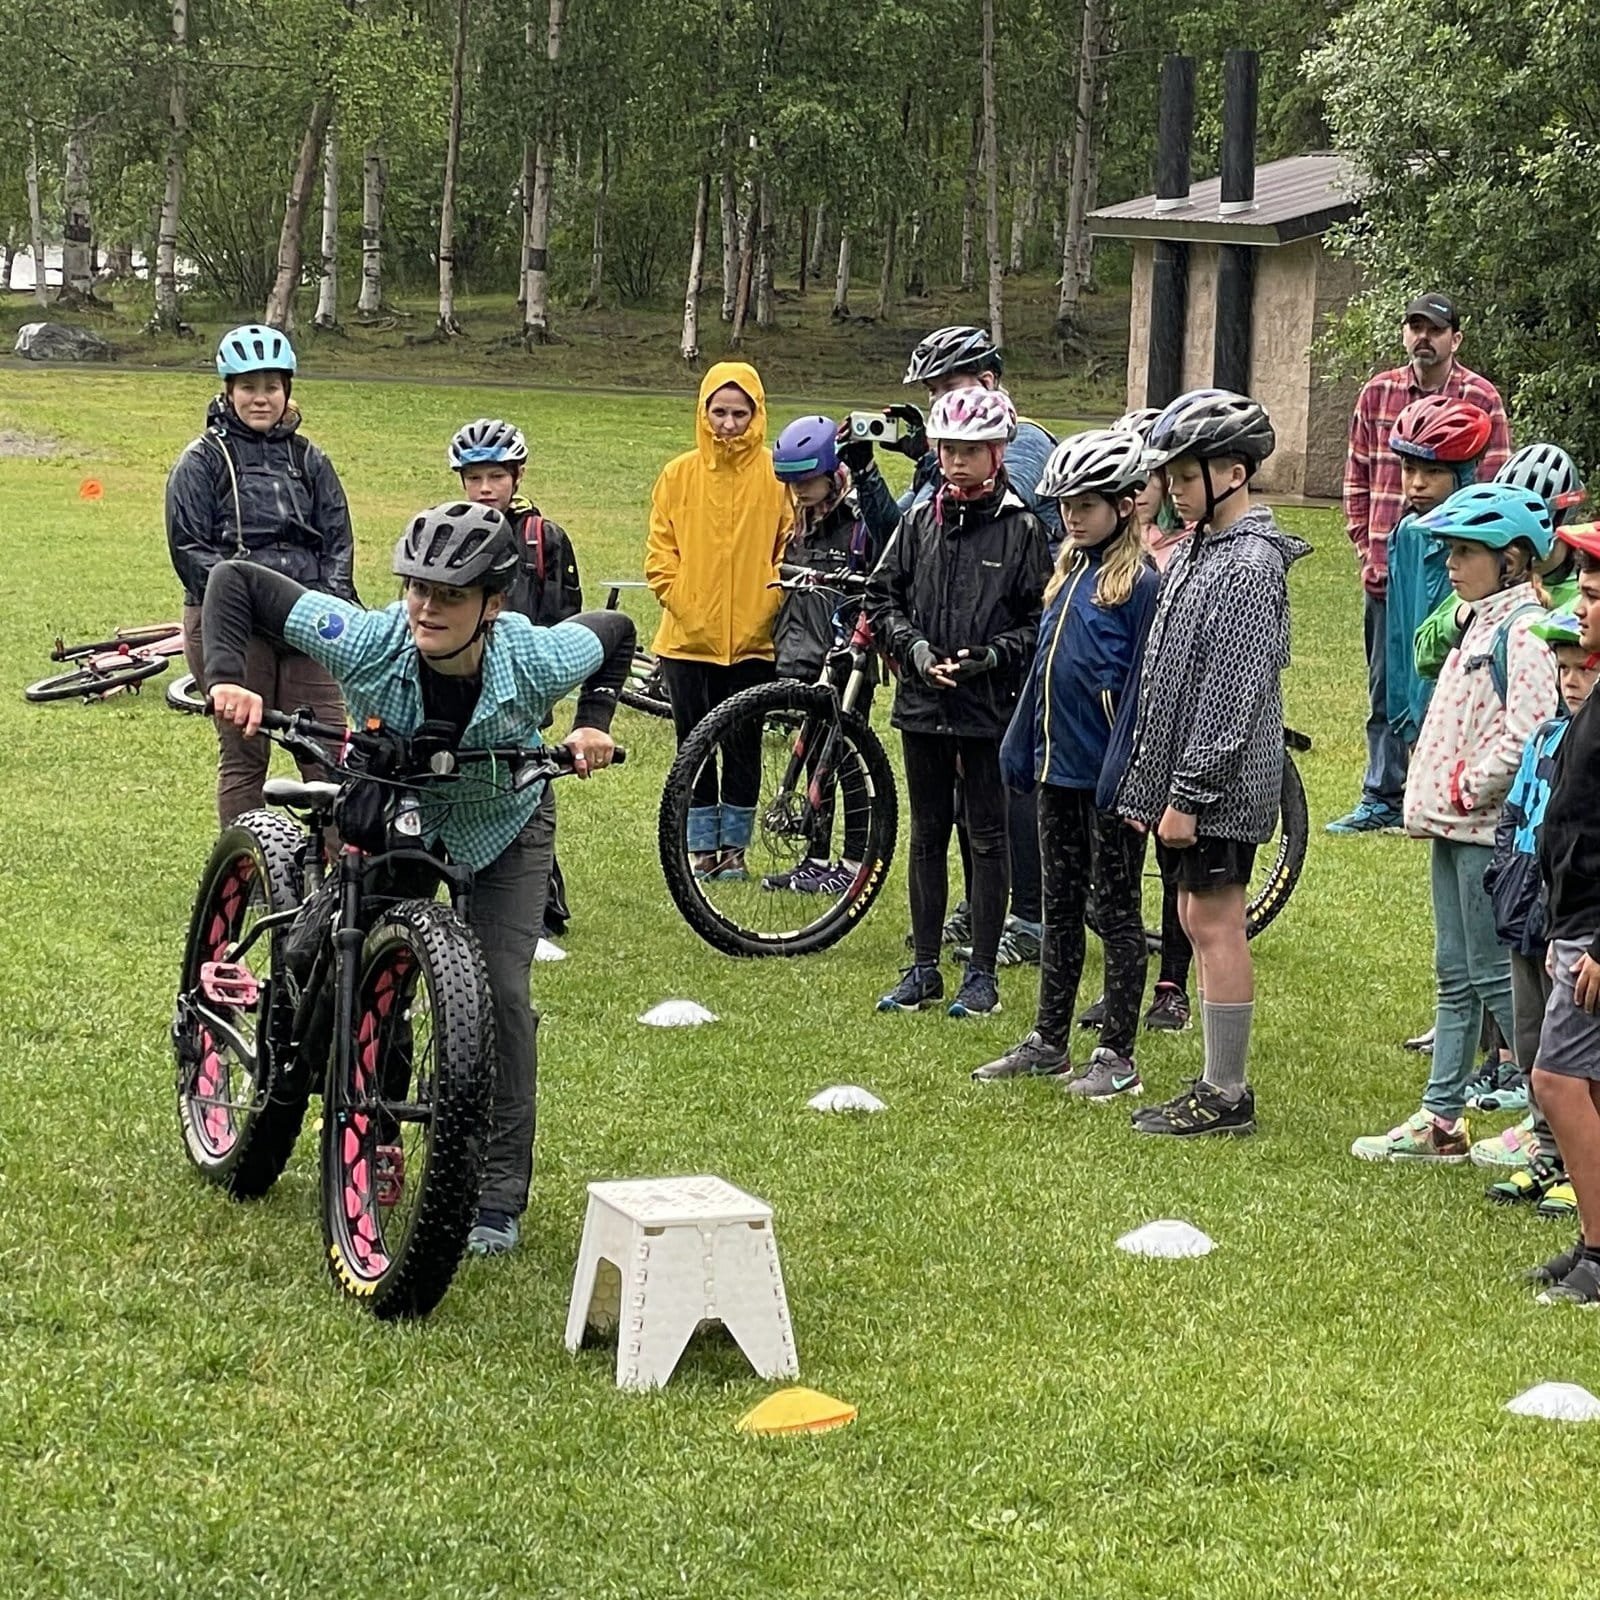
(183, 694)
(645, 689)
(307, 976)
(109, 666)
(827, 793)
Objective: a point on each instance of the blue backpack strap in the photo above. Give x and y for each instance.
(1498, 671)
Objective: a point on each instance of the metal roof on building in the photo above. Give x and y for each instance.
(1295, 198)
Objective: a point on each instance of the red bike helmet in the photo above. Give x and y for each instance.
(1441, 428)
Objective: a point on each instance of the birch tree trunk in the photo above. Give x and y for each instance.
(805, 248)
(747, 253)
(689, 343)
(36, 214)
(165, 318)
(818, 243)
(764, 253)
(969, 209)
(447, 324)
(841, 280)
(886, 275)
(991, 165)
(279, 311)
(327, 315)
(597, 241)
(77, 263)
(1072, 236)
(1019, 213)
(374, 181)
(536, 318)
(730, 227)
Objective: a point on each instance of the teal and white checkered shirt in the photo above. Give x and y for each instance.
(526, 670)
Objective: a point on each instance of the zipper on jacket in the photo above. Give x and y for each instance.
(1081, 566)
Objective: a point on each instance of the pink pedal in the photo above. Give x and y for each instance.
(229, 983)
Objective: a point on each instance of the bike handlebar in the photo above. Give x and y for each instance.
(793, 577)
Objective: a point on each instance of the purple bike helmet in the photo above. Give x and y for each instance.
(806, 449)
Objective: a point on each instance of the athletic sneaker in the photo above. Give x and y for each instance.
(1422, 1043)
(729, 867)
(703, 863)
(1559, 1203)
(958, 930)
(1557, 1267)
(1521, 1186)
(1500, 1085)
(918, 988)
(1105, 1077)
(813, 877)
(978, 996)
(1093, 1018)
(1020, 945)
(1418, 1138)
(1200, 1109)
(1514, 1147)
(1580, 1287)
(1035, 1057)
(1371, 816)
(493, 1234)
(1169, 1010)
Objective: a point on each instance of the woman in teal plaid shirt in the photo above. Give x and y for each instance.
(449, 652)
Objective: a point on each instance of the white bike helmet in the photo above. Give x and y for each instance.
(1141, 419)
(1549, 472)
(1108, 461)
(488, 440)
(976, 416)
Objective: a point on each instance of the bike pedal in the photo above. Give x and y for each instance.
(229, 983)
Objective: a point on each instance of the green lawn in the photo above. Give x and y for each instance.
(188, 1409)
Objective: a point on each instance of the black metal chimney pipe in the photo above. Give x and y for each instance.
(1169, 272)
(1230, 348)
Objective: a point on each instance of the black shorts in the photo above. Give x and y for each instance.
(1209, 864)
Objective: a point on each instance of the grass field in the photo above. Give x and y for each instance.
(186, 1407)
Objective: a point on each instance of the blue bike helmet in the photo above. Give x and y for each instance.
(806, 449)
(1494, 515)
(253, 348)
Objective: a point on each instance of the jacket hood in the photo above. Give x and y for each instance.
(219, 414)
(753, 441)
(1258, 523)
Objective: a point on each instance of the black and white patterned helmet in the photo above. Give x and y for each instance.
(1207, 423)
(958, 349)
(1141, 420)
(1549, 472)
(464, 546)
(1108, 461)
(488, 440)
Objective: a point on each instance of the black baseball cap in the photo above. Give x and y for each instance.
(1436, 307)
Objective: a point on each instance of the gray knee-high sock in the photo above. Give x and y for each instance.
(1226, 1029)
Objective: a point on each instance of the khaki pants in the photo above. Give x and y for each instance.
(285, 680)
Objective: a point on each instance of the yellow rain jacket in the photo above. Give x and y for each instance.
(718, 522)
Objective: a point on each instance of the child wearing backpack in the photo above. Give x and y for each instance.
(491, 456)
(956, 602)
(1097, 609)
(1566, 1074)
(1498, 685)
(1512, 882)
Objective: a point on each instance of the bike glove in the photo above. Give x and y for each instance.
(974, 663)
(915, 442)
(923, 659)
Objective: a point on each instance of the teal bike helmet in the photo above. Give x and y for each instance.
(254, 348)
(1494, 515)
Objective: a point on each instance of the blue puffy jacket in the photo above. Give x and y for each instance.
(1512, 876)
(1026, 458)
(1087, 660)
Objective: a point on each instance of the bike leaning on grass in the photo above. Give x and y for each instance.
(347, 977)
(827, 797)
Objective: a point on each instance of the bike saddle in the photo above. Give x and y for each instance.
(300, 796)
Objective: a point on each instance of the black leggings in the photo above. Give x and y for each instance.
(933, 763)
(1088, 853)
(694, 688)
(1022, 822)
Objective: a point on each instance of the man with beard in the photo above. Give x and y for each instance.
(1373, 505)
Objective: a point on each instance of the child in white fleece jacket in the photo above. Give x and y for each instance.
(1498, 685)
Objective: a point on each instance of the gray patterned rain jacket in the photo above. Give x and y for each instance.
(1209, 734)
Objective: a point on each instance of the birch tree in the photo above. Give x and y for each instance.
(165, 318)
(536, 245)
(327, 313)
(447, 326)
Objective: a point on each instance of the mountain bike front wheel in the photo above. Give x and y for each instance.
(646, 689)
(823, 833)
(94, 683)
(403, 1133)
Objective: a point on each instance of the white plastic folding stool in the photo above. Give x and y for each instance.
(661, 1257)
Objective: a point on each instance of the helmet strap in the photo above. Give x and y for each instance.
(1213, 499)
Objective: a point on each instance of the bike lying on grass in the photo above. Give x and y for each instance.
(109, 666)
(827, 795)
(348, 979)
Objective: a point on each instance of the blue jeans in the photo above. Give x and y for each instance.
(1385, 780)
(1472, 968)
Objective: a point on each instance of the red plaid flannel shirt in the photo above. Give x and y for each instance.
(1373, 504)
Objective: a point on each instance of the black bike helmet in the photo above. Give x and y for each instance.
(463, 545)
(959, 349)
(1207, 423)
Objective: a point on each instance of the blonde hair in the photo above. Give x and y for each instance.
(1119, 568)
